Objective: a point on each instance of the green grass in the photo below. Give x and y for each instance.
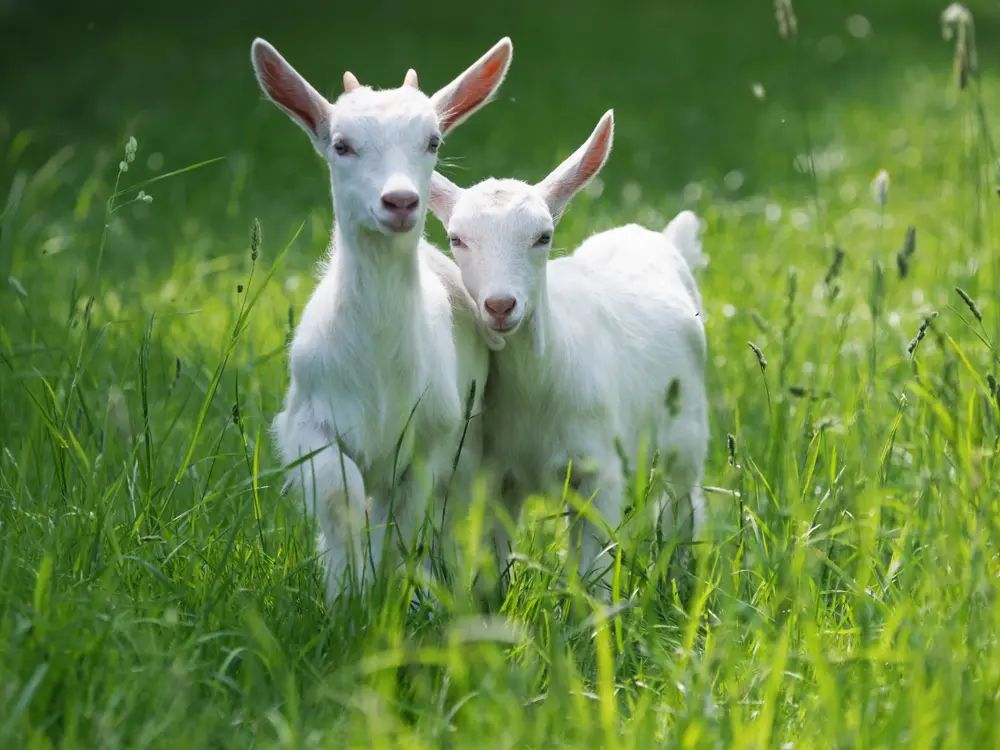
(157, 590)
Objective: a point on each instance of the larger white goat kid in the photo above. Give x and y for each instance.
(387, 350)
(593, 343)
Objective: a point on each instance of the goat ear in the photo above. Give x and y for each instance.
(579, 169)
(291, 92)
(474, 88)
(444, 196)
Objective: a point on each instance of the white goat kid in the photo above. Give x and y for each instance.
(593, 344)
(387, 349)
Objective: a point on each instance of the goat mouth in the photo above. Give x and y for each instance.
(394, 224)
(397, 226)
(504, 328)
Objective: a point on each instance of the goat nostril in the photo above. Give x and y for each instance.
(400, 201)
(500, 307)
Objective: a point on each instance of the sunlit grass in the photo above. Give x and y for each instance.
(156, 589)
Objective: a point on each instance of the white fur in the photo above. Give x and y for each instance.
(389, 330)
(592, 345)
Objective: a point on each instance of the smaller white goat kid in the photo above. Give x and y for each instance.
(387, 349)
(593, 344)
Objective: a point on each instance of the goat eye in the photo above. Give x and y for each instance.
(433, 143)
(341, 148)
(456, 241)
(543, 239)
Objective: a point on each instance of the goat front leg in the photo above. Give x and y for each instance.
(334, 493)
(601, 487)
(509, 496)
(680, 522)
(411, 526)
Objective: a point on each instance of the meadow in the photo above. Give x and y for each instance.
(158, 590)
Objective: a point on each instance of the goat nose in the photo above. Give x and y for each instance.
(400, 201)
(500, 307)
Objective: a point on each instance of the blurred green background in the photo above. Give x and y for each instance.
(680, 76)
(714, 111)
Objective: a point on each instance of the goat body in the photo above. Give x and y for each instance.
(620, 327)
(381, 363)
(387, 350)
(603, 352)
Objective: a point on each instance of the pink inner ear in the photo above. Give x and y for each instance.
(595, 154)
(442, 199)
(564, 188)
(474, 89)
(287, 90)
(438, 194)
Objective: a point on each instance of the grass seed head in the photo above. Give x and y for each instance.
(957, 23)
(290, 333)
(761, 360)
(973, 308)
(177, 375)
(910, 242)
(878, 287)
(788, 26)
(835, 267)
(823, 424)
(902, 264)
(131, 145)
(903, 256)
(673, 398)
(254, 239)
(921, 332)
(16, 287)
(915, 342)
(880, 188)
